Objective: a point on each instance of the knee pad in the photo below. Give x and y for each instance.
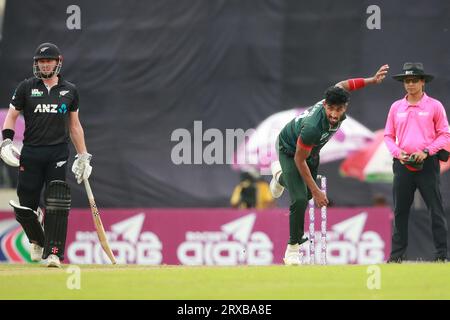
(57, 206)
(31, 222)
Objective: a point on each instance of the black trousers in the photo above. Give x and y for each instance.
(38, 166)
(405, 184)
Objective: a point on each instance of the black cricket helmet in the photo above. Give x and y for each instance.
(47, 51)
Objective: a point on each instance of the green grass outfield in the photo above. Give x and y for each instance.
(405, 281)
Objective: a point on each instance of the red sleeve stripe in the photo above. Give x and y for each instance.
(302, 145)
(356, 83)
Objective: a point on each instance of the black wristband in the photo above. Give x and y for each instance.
(8, 134)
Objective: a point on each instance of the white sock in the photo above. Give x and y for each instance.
(293, 248)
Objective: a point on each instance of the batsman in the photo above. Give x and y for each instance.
(50, 108)
(298, 147)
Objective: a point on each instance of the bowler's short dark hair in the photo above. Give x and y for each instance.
(336, 96)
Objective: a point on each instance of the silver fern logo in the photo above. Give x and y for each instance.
(60, 164)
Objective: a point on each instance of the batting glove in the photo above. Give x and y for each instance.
(9, 153)
(81, 166)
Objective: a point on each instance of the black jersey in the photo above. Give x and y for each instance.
(46, 112)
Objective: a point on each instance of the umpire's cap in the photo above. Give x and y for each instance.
(47, 50)
(414, 69)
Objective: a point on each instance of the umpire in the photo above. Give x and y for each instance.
(416, 130)
(50, 108)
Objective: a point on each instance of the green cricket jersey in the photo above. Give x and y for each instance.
(313, 129)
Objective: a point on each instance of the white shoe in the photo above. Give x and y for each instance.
(53, 261)
(36, 252)
(292, 255)
(275, 187)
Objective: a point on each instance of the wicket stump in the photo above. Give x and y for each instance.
(312, 236)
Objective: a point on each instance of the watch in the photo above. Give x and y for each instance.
(426, 151)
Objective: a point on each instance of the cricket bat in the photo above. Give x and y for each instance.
(98, 223)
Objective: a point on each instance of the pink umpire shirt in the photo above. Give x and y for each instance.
(412, 128)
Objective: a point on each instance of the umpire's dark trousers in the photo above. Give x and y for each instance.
(427, 181)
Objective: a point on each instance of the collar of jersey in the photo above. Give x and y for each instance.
(60, 81)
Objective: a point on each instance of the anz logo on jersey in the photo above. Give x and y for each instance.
(50, 108)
